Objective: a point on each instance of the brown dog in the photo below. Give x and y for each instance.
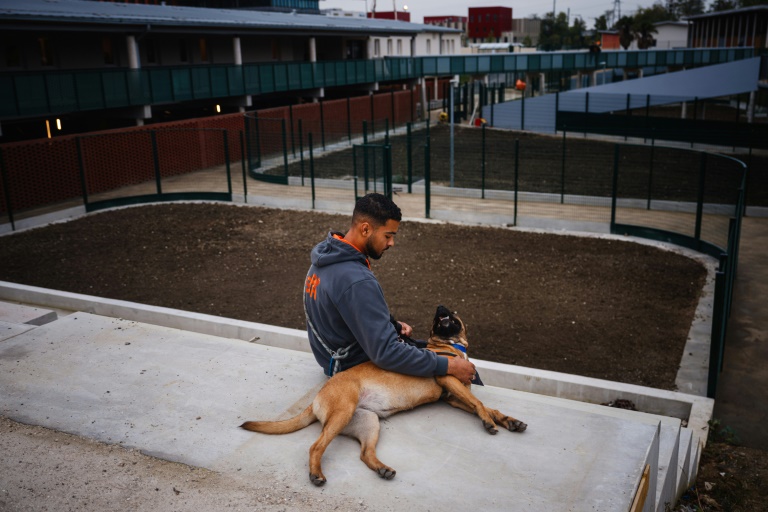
(352, 401)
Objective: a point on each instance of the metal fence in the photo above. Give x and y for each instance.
(113, 169)
(566, 181)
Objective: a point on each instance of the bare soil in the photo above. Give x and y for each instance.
(591, 306)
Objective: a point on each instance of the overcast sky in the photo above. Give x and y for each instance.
(588, 10)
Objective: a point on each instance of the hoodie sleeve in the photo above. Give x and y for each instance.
(367, 315)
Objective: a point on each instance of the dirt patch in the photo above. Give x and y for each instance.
(595, 307)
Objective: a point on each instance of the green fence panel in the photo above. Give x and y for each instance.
(181, 81)
(61, 92)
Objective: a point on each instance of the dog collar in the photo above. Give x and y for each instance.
(459, 347)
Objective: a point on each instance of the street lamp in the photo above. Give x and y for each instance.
(603, 64)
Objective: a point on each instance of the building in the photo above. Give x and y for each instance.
(101, 65)
(526, 28)
(487, 24)
(300, 6)
(671, 34)
(391, 15)
(725, 29)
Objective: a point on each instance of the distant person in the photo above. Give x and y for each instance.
(348, 320)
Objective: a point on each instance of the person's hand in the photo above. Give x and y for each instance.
(462, 369)
(405, 329)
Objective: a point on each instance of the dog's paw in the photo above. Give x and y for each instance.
(517, 426)
(386, 473)
(318, 480)
(491, 428)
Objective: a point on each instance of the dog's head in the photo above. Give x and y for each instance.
(447, 328)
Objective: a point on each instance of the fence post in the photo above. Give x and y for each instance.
(243, 165)
(322, 125)
(615, 187)
(349, 120)
(354, 169)
(81, 168)
(156, 159)
(285, 146)
(373, 116)
(387, 171)
(650, 174)
(517, 175)
(627, 115)
(700, 198)
(647, 114)
(562, 173)
(257, 138)
(226, 160)
(409, 156)
(293, 142)
(427, 175)
(392, 100)
(482, 186)
(6, 191)
(586, 111)
(311, 168)
(301, 150)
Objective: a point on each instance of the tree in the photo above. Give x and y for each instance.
(723, 5)
(626, 33)
(643, 24)
(555, 33)
(601, 22)
(682, 8)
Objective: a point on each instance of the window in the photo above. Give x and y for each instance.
(183, 55)
(151, 52)
(429, 47)
(203, 50)
(376, 48)
(46, 53)
(107, 51)
(399, 46)
(389, 47)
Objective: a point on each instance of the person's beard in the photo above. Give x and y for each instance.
(371, 252)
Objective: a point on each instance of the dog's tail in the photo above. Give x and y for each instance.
(304, 419)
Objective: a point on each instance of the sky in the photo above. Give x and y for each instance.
(587, 10)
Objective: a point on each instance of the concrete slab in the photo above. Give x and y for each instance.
(181, 396)
(21, 314)
(10, 329)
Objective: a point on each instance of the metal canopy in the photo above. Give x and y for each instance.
(122, 14)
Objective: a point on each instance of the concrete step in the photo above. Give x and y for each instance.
(181, 395)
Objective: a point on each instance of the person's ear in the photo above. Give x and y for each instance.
(366, 229)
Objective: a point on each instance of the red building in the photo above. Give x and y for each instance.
(391, 15)
(489, 23)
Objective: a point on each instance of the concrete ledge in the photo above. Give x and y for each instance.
(696, 410)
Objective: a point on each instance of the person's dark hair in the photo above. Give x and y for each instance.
(377, 208)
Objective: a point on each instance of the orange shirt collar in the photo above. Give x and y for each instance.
(341, 238)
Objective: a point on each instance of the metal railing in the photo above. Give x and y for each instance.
(41, 93)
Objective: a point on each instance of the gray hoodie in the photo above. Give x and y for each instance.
(347, 312)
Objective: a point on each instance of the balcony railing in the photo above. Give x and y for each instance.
(50, 92)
